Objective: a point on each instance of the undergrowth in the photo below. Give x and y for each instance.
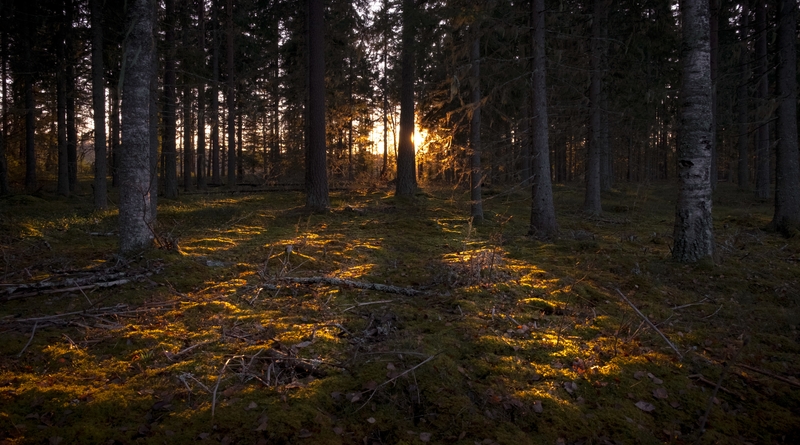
(507, 339)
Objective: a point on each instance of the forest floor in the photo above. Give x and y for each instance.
(238, 331)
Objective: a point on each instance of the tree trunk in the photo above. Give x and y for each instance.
(99, 109)
(543, 215)
(134, 201)
(476, 173)
(169, 150)
(316, 164)
(4, 187)
(762, 94)
(154, 140)
(591, 203)
(714, 42)
(72, 129)
(215, 166)
(694, 235)
(787, 171)
(406, 182)
(62, 187)
(201, 99)
(231, 98)
(30, 120)
(188, 155)
(742, 102)
(113, 159)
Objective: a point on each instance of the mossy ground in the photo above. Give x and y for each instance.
(530, 341)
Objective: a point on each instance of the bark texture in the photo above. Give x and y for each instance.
(169, 150)
(543, 215)
(316, 157)
(231, 98)
(591, 202)
(694, 235)
(743, 167)
(134, 170)
(762, 94)
(787, 169)
(406, 183)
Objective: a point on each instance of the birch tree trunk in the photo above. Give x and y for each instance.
(543, 215)
(694, 235)
(787, 171)
(134, 170)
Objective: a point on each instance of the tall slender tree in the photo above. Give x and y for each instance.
(742, 100)
(406, 181)
(476, 173)
(62, 185)
(543, 215)
(231, 96)
(169, 150)
(135, 213)
(70, 92)
(215, 155)
(694, 234)
(591, 203)
(762, 95)
(201, 98)
(787, 166)
(316, 163)
(100, 190)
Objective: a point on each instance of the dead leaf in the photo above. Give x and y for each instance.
(535, 377)
(639, 374)
(338, 430)
(655, 379)
(660, 393)
(390, 366)
(644, 406)
(425, 437)
(231, 390)
(571, 387)
(302, 344)
(304, 434)
(252, 405)
(371, 420)
(354, 396)
(55, 440)
(371, 385)
(537, 407)
(227, 440)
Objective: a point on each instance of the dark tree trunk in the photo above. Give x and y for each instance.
(154, 110)
(99, 109)
(30, 118)
(316, 164)
(169, 150)
(591, 203)
(742, 102)
(762, 94)
(231, 98)
(215, 165)
(134, 202)
(4, 187)
(787, 171)
(188, 150)
(714, 42)
(72, 129)
(201, 99)
(113, 154)
(543, 215)
(62, 187)
(385, 111)
(476, 173)
(694, 235)
(406, 182)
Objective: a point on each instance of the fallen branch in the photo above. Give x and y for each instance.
(647, 320)
(407, 291)
(769, 374)
(703, 301)
(29, 340)
(368, 303)
(396, 377)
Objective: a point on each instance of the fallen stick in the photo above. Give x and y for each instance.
(708, 382)
(397, 377)
(29, 340)
(647, 320)
(769, 374)
(367, 303)
(357, 284)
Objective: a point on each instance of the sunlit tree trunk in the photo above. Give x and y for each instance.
(694, 235)
(787, 171)
(169, 150)
(476, 173)
(134, 201)
(316, 164)
(99, 109)
(406, 182)
(762, 94)
(742, 101)
(543, 215)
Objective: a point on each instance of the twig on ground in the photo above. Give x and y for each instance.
(216, 387)
(29, 340)
(395, 378)
(647, 320)
(703, 301)
(171, 357)
(713, 314)
(768, 374)
(368, 303)
(708, 382)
